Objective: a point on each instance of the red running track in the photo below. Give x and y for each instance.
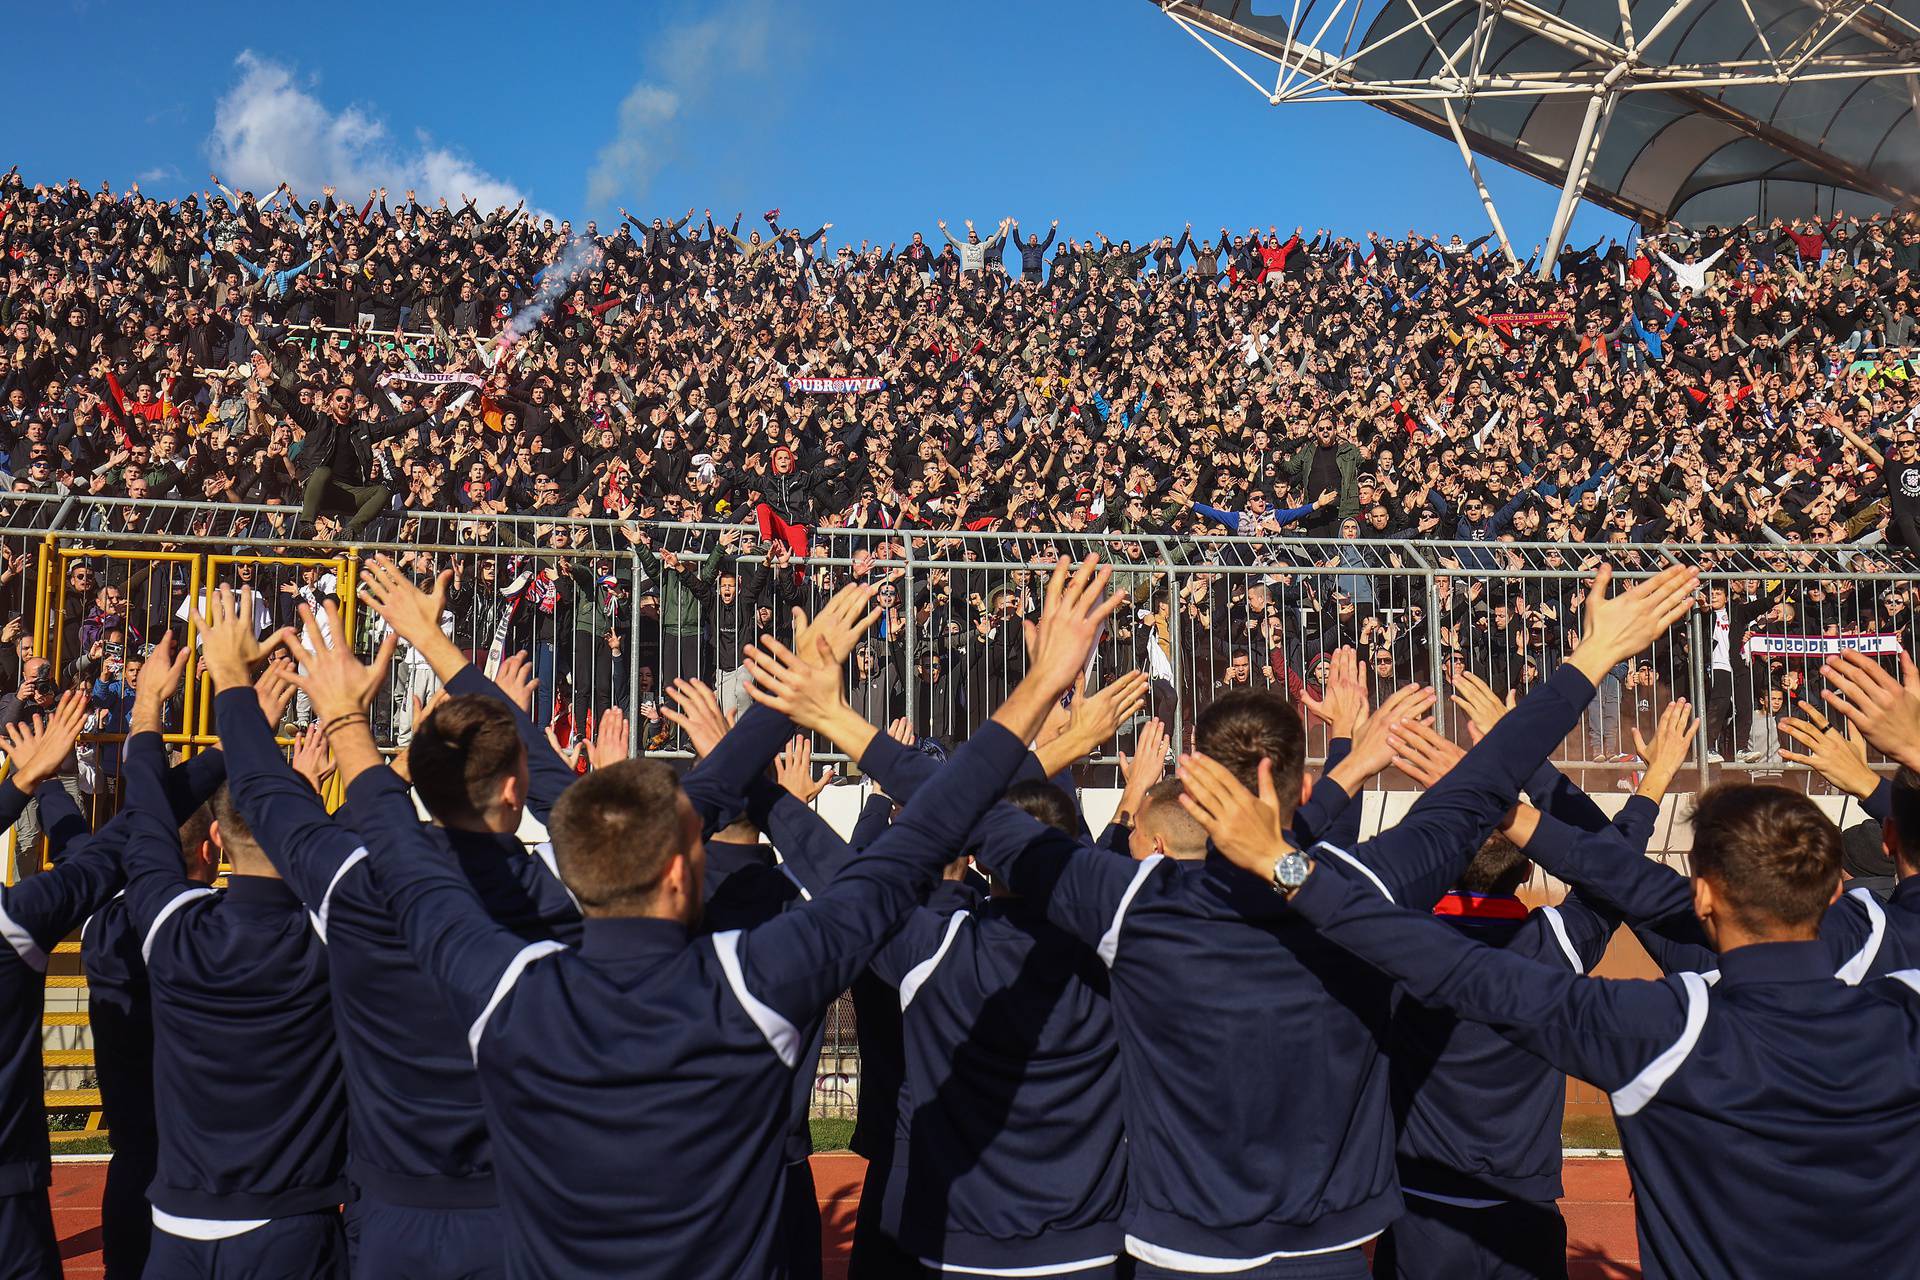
(1598, 1205)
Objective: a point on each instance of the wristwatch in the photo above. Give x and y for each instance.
(1290, 873)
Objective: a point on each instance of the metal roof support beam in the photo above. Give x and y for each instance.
(1550, 26)
(1593, 127)
(1479, 184)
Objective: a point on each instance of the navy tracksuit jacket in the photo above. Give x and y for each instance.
(637, 1088)
(246, 1071)
(1479, 1120)
(418, 1142)
(1769, 1116)
(1863, 937)
(35, 914)
(1216, 987)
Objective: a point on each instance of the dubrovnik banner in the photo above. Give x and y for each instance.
(834, 386)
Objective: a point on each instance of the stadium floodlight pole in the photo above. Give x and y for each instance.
(1479, 184)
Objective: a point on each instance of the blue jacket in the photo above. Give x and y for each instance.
(1768, 1117)
(1862, 937)
(418, 1134)
(34, 915)
(1010, 1151)
(238, 984)
(637, 1088)
(1214, 982)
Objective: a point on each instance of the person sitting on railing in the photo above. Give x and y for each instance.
(336, 456)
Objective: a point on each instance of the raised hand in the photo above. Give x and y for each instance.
(1618, 627)
(1077, 608)
(807, 688)
(1344, 708)
(274, 689)
(1886, 711)
(1245, 826)
(414, 613)
(37, 748)
(1840, 758)
(311, 759)
(1094, 719)
(609, 743)
(1672, 738)
(1422, 754)
(1372, 749)
(339, 685)
(793, 769)
(1144, 770)
(227, 643)
(1480, 704)
(515, 679)
(695, 712)
(569, 755)
(159, 680)
(841, 623)
(901, 731)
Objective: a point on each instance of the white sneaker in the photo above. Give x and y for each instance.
(1714, 757)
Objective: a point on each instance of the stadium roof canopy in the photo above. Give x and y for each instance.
(1691, 110)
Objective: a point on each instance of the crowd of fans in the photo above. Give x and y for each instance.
(1742, 384)
(354, 363)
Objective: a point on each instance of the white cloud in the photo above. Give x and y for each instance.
(159, 173)
(685, 68)
(269, 128)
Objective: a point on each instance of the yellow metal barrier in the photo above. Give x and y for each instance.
(54, 608)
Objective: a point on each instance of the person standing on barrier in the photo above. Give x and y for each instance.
(336, 463)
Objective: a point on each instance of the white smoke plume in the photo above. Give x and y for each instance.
(268, 128)
(686, 67)
(581, 256)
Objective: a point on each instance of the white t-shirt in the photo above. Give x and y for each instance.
(262, 619)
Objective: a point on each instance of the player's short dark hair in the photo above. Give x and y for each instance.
(1499, 868)
(1044, 802)
(616, 831)
(1241, 729)
(196, 831)
(1769, 851)
(462, 752)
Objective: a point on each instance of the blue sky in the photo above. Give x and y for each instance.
(878, 117)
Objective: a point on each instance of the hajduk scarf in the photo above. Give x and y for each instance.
(1822, 646)
(834, 386)
(432, 379)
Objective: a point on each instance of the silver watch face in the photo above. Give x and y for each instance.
(1290, 872)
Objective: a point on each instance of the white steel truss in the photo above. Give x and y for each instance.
(1431, 61)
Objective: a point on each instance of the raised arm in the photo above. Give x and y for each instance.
(1425, 853)
(1606, 1032)
(802, 959)
(414, 616)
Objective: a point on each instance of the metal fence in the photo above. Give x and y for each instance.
(610, 615)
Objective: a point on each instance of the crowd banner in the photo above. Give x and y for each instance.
(1878, 645)
(834, 386)
(432, 379)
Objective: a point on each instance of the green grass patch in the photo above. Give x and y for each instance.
(1590, 1133)
(831, 1133)
(92, 1144)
